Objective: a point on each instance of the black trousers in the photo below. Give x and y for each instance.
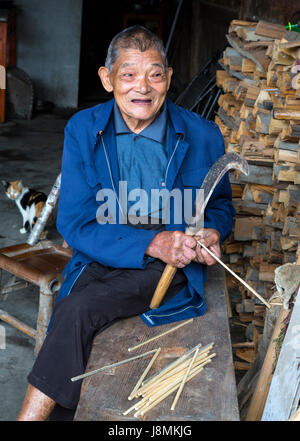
(100, 296)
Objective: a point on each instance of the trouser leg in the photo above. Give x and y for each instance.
(100, 296)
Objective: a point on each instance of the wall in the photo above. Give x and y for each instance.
(48, 48)
(276, 11)
(200, 33)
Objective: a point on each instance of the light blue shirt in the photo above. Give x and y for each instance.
(142, 160)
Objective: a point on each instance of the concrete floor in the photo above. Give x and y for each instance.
(32, 152)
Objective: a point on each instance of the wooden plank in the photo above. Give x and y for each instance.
(104, 396)
(260, 394)
(271, 30)
(286, 378)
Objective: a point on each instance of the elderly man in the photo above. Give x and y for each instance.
(142, 139)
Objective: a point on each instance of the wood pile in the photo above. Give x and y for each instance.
(259, 117)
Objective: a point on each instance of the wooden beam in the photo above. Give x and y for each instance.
(260, 394)
(284, 389)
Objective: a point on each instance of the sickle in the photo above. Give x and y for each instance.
(217, 171)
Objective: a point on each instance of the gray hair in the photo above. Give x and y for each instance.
(137, 37)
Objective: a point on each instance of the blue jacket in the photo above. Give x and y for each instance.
(90, 163)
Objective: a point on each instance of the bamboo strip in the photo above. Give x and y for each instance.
(165, 385)
(160, 335)
(171, 374)
(148, 406)
(235, 275)
(135, 406)
(113, 365)
(170, 366)
(146, 409)
(183, 381)
(176, 362)
(144, 374)
(173, 380)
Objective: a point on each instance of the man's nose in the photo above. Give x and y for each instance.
(143, 85)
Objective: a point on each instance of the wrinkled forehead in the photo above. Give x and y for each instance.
(131, 57)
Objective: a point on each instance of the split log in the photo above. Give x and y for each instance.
(271, 30)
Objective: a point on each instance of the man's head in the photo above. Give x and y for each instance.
(137, 72)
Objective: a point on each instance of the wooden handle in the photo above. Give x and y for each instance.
(163, 285)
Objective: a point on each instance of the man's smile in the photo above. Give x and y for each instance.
(141, 101)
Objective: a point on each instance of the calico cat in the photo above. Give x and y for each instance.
(30, 202)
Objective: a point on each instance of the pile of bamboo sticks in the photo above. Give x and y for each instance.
(169, 379)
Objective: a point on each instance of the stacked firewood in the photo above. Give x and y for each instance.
(259, 117)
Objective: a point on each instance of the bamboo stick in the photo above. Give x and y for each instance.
(144, 374)
(171, 374)
(145, 354)
(160, 335)
(184, 380)
(176, 379)
(135, 406)
(164, 386)
(176, 362)
(163, 373)
(165, 381)
(170, 366)
(172, 389)
(235, 275)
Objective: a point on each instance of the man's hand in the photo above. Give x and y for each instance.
(179, 249)
(211, 239)
(173, 247)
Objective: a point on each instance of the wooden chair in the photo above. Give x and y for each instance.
(39, 263)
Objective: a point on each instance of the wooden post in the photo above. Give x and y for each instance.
(3, 44)
(260, 394)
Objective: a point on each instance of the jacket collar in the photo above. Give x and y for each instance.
(103, 117)
(176, 119)
(106, 109)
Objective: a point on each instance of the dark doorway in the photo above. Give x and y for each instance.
(100, 22)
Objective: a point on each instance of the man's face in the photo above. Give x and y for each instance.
(139, 83)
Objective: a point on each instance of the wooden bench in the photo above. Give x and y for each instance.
(209, 396)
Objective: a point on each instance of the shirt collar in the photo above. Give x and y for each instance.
(155, 131)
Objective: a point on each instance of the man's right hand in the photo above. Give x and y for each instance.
(173, 247)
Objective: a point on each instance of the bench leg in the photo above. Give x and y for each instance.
(46, 304)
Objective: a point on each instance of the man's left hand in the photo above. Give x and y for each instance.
(211, 239)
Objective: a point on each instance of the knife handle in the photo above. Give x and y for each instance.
(163, 285)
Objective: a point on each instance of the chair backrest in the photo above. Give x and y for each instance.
(46, 212)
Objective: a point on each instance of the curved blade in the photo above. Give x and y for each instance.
(225, 163)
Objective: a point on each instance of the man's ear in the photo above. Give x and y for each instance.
(104, 75)
(169, 75)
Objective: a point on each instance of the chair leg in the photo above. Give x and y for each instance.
(46, 304)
